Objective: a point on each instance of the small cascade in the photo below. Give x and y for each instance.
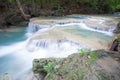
(54, 45)
(101, 27)
(84, 25)
(33, 27)
(40, 43)
(36, 44)
(111, 29)
(107, 31)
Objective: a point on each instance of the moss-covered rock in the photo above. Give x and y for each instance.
(95, 65)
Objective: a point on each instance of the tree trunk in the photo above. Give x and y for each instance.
(41, 4)
(33, 7)
(26, 17)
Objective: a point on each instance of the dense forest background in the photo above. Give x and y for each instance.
(14, 11)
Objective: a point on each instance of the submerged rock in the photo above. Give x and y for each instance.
(93, 65)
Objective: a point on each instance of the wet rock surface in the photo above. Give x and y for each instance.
(117, 30)
(93, 65)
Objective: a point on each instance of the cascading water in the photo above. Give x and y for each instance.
(58, 48)
(16, 59)
(36, 27)
(32, 28)
(84, 26)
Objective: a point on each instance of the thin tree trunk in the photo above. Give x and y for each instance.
(21, 10)
(41, 4)
(33, 7)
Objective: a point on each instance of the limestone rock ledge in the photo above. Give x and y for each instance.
(93, 65)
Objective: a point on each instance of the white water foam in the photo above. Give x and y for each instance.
(54, 48)
(32, 27)
(84, 26)
(99, 20)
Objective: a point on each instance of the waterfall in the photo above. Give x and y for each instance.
(33, 27)
(106, 31)
(17, 58)
(54, 45)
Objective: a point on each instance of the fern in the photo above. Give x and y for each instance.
(48, 67)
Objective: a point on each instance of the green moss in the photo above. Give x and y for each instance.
(80, 73)
(71, 76)
(92, 57)
(82, 52)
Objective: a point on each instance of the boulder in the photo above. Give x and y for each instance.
(93, 65)
(114, 45)
(117, 30)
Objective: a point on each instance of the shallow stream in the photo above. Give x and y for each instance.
(18, 49)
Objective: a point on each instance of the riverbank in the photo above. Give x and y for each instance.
(95, 65)
(14, 27)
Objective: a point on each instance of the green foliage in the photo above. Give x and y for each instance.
(59, 7)
(80, 73)
(56, 67)
(11, 1)
(118, 39)
(114, 4)
(118, 6)
(48, 67)
(82, 52)
(92, 57)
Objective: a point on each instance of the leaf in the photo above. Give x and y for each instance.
(57, 66)
(48, 67)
